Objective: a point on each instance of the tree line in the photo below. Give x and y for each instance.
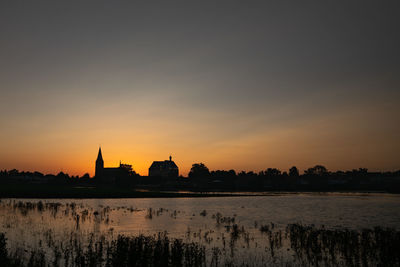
(317, 177)
(200, 178)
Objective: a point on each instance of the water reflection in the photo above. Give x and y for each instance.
(257, 230)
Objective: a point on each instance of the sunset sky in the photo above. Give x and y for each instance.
(242, 85)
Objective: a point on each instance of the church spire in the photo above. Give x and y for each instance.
(99, 156)
(99, 164)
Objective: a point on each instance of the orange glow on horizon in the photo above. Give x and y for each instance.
(242, 87)
(332, 140)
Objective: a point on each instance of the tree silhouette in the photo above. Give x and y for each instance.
(294, 172)
(272, 172)
(199, 170)
(317, 170)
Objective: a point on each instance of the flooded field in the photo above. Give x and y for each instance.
(271, 230)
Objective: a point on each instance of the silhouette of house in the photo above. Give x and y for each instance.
(110, 175)
(166, 168)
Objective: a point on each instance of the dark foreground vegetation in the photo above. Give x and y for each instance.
(376, 247)
(224, 240)
(124, 251)
(311, 246)
(200, 179)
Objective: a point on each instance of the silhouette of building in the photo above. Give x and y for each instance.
(110, 175)
(99, 164)
(166, 168)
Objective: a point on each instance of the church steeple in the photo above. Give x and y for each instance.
(99, 164)
(99, 156)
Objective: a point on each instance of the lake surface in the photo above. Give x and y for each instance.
(35, 224)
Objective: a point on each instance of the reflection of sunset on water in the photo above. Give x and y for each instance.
(210, 222)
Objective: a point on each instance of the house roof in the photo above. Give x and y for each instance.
(166, 164)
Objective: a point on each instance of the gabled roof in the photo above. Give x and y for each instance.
(166, 164)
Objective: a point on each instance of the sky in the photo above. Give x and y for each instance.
(243, 85)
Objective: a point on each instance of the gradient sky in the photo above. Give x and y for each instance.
(242, 85)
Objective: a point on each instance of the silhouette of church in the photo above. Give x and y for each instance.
(110, 174)
(166, 168)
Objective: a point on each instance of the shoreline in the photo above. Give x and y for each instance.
(80, 192)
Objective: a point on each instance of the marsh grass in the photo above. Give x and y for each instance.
(368, 247)
(312, 247)
(223, 242)
(140, 250)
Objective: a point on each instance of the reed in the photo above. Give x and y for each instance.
(124, 251)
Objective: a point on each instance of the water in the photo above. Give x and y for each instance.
(206, 221)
